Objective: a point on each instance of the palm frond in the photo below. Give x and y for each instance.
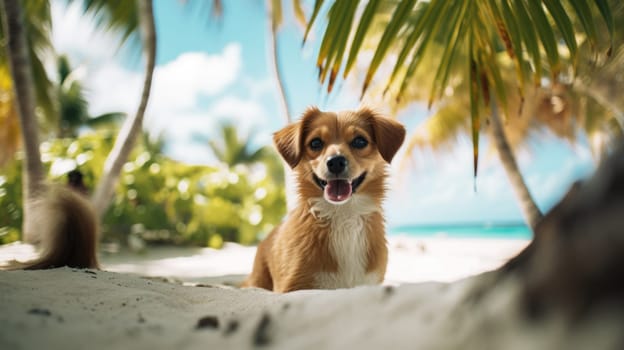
(106, 119)
(299, 13)
(277, 17)
(531, 33)
(117, 15)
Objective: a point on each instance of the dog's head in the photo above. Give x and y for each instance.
(337, 154)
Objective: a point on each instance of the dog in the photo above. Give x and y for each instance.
(335, 236)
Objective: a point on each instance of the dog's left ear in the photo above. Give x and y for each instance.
(389, 134)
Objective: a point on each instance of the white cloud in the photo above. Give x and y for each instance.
(259, 88)
(248, 115)
(242, 112)
(191, 153)
(178, 86)
(111, 87)
(176, 90)
(180, 83)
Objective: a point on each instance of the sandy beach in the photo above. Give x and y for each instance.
(411, 260)
(175, 299)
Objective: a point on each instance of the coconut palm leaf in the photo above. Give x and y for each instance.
(74, 110)
(299, 13)
(212, 9)
(117, 15)
(317, 8)
(73, 105)
(529, 32)
(232, 149)
(105, 119)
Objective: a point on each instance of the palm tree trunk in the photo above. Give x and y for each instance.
(273, 54)
(275, 66)
(530, 211)
(24, 89)
(131, 128)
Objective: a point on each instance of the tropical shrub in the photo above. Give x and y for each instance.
(157, 198)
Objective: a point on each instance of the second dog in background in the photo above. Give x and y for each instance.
(335, 237)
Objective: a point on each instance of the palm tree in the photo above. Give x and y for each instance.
(131, 129)
(38, 22)
(23, 55)
(275, 21)
(232, 149)
(478, 36)
(526, 115)
(116, 159)
(115, 14)
(18, 55)
(563, 108)
(73, 106)
(275, 16)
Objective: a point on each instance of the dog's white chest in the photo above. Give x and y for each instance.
(348, 243)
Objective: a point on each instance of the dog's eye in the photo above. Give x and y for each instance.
(316, 144)
(359, 142)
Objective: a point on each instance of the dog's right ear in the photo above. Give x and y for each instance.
(289, 140)
(287, 143)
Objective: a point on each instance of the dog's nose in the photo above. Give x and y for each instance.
(336, 164)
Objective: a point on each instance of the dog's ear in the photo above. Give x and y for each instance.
(287, 143)
(289, 140)
(389, 134)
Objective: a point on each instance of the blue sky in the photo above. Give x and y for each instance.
(212, 70)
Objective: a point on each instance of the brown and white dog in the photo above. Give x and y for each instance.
(335, 237)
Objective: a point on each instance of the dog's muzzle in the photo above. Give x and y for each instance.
(339, 190)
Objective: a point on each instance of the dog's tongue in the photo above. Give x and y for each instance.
(338, 190)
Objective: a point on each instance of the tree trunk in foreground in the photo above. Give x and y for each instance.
(575, 263)
(530, 211)
(24, 89)
(132, 127)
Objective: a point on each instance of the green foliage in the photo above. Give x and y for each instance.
(10, 202)
(118, 15)
(73, 105)
(232, 148)
(38, 23)
(157, 198)
(539, 39)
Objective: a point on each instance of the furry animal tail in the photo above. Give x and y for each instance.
(68, 234)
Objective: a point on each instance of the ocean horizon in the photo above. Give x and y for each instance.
(464, 230)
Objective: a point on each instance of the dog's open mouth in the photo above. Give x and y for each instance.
(339, 190)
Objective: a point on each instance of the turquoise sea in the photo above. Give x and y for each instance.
(506, 231)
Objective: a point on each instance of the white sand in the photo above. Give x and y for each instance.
(81, 309)
(410, 260)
